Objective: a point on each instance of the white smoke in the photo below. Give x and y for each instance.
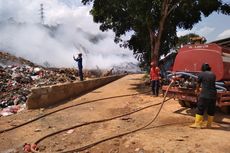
(69, 30)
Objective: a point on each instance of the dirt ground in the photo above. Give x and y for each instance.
(169, 133)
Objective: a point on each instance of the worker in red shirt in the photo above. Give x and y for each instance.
(155, 78)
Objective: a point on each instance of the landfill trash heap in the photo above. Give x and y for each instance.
(18, 76)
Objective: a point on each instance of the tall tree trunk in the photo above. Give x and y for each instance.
(152, 41)
(157, 42)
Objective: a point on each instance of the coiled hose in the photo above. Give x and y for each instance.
(103, 120)
(125, 133)
(110, 138)
(219, 85)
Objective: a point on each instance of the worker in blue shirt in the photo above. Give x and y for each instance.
(80, 67)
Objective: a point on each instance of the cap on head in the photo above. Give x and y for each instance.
(205, 67)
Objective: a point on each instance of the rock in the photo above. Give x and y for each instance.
(42, 109)
(37, 130)
(70, 131)
(126, 118)
(180, 139)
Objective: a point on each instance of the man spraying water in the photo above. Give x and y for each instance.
(79, 63)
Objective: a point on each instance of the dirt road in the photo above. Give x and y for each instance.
(169, 133)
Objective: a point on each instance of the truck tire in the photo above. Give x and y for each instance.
(225, 109)
(190, 104)
(182, 103)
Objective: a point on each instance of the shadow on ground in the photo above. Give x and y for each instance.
(219, 118)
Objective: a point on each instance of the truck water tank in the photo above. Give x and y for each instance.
(191, 57)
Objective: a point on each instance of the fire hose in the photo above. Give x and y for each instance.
(116, 136)
(219, 85)
(44, 115)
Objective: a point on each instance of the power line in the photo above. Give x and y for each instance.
(42, 13)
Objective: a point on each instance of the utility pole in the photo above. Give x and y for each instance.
(42, 13)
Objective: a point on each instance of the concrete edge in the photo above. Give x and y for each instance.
(50, 95)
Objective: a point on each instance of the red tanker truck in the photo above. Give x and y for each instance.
(187, 65)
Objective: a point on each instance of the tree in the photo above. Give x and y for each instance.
(190, 38)
(153, 22)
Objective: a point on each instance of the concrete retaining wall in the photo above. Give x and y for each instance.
(51, 95)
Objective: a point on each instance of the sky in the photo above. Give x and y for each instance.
(76, 27)
(214, 27)
(75, 32)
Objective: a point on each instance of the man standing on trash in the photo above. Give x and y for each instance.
(155, 78)
(80, 67)
(207, 97)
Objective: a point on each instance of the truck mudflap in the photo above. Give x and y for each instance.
(188, 95)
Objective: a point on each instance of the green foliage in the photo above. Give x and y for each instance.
(143, 18)
(207, 7)
(186, 39)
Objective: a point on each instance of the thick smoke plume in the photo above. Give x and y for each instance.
(68, 29)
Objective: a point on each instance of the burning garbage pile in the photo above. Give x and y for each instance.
(18, 76)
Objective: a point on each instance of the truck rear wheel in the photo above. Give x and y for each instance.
(182, 103)
(188, 104)
(225, 109)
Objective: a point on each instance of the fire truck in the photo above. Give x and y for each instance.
(187, 66)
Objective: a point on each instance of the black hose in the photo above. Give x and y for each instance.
(42, 116)
(122, 134)
(97, 121)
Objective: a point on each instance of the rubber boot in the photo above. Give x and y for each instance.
(198, 122)
(210, 120)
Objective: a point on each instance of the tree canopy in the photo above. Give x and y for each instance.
(190, 38)
(152, 23)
